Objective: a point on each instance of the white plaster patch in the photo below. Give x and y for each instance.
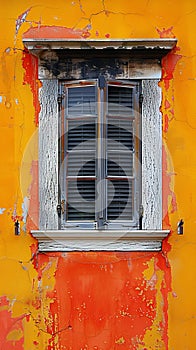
(25, 207)
(2, 210)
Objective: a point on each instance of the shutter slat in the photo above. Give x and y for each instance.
(81, 200)
(120, 133)
(120, 194)
(81, 131)
(120, 164)
(120, 100)
(81, 164)
(81, 100)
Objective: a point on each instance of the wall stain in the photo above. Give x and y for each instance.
(94, 300)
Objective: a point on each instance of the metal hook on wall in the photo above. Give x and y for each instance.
(180, 227)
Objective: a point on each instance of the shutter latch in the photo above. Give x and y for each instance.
(141, 214)
(61, 208)
(60, 98)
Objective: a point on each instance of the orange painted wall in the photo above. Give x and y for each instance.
(96, 301)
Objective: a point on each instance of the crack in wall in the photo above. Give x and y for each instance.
(103, 11)
(22, 18)
(81, 7)
(53, 334)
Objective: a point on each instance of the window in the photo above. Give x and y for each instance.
(100, 144)
(100, 177)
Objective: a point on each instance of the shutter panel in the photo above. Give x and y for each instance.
(81, 153)
(81, 145)
(100, 144)
(120, 154)
(120, 147)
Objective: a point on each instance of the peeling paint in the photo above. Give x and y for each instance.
(33, 215)
(169, 63)
(97, 301)
(30, 64)
(21, 19)
(53, 32)
(25, 207)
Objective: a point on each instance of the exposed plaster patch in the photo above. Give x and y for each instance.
(15, 216)
(2, 210)
(8, 50)
(25, 207)
(21, 19)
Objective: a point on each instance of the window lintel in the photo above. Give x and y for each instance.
(152, 47)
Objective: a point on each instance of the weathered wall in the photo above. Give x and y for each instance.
(96, 300)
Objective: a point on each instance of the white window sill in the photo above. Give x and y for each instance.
(97, 240)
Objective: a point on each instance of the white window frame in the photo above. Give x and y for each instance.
(150, 238)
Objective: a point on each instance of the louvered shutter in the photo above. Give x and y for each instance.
(121, 161)
(100, 144)
(80, 149)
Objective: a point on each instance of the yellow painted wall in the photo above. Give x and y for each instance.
(24, 282)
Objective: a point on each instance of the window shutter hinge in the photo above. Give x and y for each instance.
(61, 208)
(60, 98)
(141, 98)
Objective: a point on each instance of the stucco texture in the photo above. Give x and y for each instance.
(96, 301)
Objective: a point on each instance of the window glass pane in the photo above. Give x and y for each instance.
(81, 100)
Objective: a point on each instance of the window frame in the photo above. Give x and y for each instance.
(101, 127)
(49, 236)
(150, 238)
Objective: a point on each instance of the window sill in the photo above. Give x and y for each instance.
(92, 240)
